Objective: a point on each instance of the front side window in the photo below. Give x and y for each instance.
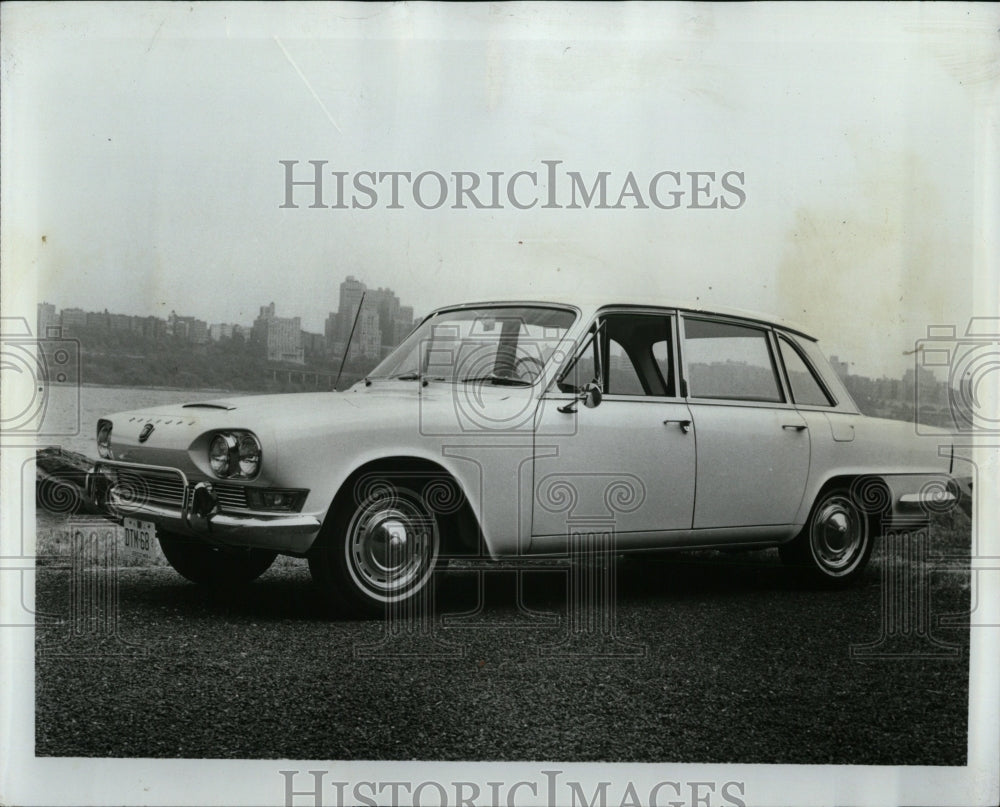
(502, 345)
(806, 389)
(626, 354)
(729, 361)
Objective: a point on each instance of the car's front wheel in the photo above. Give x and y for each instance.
(836, 542)
(209, 566)
(380, 547)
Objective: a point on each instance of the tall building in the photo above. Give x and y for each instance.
(280, 338)
(367, 339)
(154, 328)
(352, 291)
(120, 322)
(383, 314)
(98, 320)
(313, 344)
(187, 329)
(72, 319)
(220, 330)
(330, 328)
(403, 324)
(46, 319)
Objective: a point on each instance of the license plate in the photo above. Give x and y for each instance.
(140, 537)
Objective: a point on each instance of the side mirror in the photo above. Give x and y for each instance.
(591, 396)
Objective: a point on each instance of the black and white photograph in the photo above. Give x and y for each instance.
(499, 404)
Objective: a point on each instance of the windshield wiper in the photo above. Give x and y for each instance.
(501, 380)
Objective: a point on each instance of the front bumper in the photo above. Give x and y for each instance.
(199, 512)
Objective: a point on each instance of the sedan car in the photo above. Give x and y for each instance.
(518, 429)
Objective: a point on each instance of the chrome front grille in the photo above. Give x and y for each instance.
(156, 488)
(168, 490)
(231, 497)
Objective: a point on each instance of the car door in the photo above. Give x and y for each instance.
(753, 446)
(629, 462)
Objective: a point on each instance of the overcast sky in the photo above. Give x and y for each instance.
(141, 157)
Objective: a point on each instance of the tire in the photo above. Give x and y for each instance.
(380, 546)
(208, 566)
(834, 546)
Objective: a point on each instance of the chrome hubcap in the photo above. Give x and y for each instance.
(391, 547)
(838, 535)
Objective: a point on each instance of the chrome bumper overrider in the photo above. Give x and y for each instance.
(198, 513)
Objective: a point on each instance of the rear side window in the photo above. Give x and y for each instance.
(729, 361)
(806, 388)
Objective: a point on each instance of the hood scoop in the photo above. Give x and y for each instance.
(209, 405)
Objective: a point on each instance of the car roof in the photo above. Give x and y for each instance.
(589, 304)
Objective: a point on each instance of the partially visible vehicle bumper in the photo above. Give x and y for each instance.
(914, 498)
(196, 510)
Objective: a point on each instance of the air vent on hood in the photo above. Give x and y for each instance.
(208, 405)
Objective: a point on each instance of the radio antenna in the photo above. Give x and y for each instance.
(347, 350)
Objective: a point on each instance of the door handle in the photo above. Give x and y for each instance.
(684, 424)
(799, 427)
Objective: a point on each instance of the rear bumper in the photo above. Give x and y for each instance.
(915, 498)
(200, 514)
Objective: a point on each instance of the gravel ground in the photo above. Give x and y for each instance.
(736, 663)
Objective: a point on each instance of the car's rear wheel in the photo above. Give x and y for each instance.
(380, 547)
(836, 542)
(209, 566)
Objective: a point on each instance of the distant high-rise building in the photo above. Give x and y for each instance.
(313, 344)
(98, 320)
(367, 339)
(387, 304)
(220, 330)
(187, 329)
(403, 324)
(352, 291)
(280, 338)
(72, 319)
(154, 328)
(47, 318)
(383, 313)
(330, 330)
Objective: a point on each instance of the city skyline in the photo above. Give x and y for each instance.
(370, 320)
(888, 385)
(247, 324)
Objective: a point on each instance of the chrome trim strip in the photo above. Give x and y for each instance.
(934, 498)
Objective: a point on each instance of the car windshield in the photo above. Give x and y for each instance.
(502, 345)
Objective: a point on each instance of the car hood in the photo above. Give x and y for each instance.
(284, 421)
(359, 403)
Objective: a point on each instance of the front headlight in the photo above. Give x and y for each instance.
(104, 439)
(249, 455)
(218, 454)
(234, 455)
